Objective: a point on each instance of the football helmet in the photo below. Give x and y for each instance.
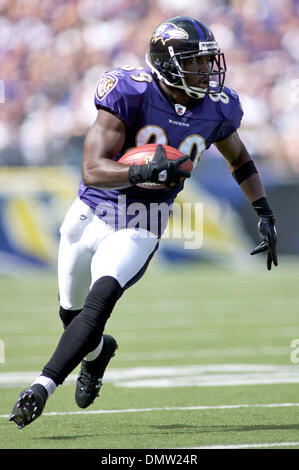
(181, 38)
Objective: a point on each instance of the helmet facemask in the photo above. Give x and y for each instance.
(216, 73)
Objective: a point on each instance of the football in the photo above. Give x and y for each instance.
(145, 153)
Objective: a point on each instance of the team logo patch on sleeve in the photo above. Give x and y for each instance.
(106, 84)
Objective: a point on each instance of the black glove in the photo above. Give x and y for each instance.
(159, 170)
(267, 231)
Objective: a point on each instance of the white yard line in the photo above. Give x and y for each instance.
(247, 446)
(208, 375)
(166, 408)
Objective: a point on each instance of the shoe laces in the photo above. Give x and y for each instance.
(89, 380)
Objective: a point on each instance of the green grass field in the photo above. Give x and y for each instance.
(204, 360)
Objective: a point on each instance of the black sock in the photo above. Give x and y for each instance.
(67, 316)
(84, 332)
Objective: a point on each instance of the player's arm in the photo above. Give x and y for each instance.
(241, 166)
(245, 173)
(104, 140)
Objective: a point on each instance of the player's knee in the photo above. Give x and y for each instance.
(103, 296)
(67, 316)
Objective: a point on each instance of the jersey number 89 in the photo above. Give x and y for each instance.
(193, 145)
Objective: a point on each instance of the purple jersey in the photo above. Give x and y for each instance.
(135, 97)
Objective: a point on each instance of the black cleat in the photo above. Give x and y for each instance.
(89, 380)
(29, 406)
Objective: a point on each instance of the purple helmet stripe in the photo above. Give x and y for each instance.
(207, 30)
(197, 27)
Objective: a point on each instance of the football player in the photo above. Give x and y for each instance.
(180, 100)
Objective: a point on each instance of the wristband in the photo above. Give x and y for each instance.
(262, 208)
(246, 170)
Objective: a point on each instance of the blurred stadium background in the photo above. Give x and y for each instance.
(52, 54)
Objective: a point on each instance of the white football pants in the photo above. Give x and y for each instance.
(90, 249)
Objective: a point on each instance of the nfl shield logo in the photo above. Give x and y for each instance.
(180, 109)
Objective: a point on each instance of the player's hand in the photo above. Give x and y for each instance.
(159, 170)
(166, 171)
(267, 231)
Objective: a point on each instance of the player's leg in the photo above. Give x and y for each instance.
(120, 259)
(74, 259)
(79, 239)
(85, 331)
(78, 242)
